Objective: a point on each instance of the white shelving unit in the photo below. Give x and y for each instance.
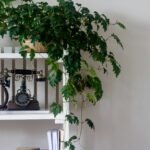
(38, 114)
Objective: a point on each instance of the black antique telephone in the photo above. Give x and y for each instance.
(22, 100)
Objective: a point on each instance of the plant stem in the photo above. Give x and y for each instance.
(108, 38)
(81, 115)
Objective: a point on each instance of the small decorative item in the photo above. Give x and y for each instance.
(23, 99)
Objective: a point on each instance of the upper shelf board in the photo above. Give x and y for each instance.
(18, 56)
(31, 115)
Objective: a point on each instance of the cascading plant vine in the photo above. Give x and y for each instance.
(73, 28)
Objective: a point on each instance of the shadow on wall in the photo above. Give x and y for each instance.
(114, 116)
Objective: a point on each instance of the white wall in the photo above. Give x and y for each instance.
(122, 118)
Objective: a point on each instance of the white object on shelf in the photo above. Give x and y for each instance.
(53, 139)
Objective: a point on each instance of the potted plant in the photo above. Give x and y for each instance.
(73, 28)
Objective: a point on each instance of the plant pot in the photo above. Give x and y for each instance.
(37, 46)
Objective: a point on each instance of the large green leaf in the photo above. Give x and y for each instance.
(78, 82)
(55, 108)
(69, 143)
(121, 25)
(23, 51)
(116, 66)
(91, 98)
(32, 54)
(95, 84)
(117, 40)
(55, 74)
(72, 61)
(72, 119)
(90, 123)
(68, 91)
(73, 138)
(71, 147)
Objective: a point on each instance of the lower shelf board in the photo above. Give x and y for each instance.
(31, 115)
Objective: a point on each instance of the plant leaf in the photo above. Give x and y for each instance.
(71, 147)
(78, 82)
(72, 138)
(90, 123)
(95, 84)
(32, 54)
(121, 25)
(66, 144)
(72, 119)
(92, 72)
(55, 75)
(23, 52)
(69, 144)
(68, 90)
(116, 66)
(79, 5)
(117, 40)
(55, 108)
(91, 98)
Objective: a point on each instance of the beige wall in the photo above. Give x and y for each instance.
(122, 118)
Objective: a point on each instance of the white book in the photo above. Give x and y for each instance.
(49, 136)
(53, 139)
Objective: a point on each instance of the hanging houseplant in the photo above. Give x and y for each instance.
(70, 27)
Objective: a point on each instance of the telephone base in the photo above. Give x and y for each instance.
(33, 105)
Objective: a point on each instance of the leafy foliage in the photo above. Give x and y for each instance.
(117, 39)
(23, 52)
(95, 84)
(68, 90)
(66, 26)
(70, 27)
(72, 119)
(32, 54)
(115, 64)
(91, 98)
(55, 108)
(69, 143)
(55, 74)
(90, 123)
(121, 25)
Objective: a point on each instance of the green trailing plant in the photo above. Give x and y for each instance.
(73, 28)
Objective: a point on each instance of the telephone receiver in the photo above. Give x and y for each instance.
(24, 72)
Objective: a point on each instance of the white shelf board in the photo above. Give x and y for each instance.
(31, 115)
(18, 56)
